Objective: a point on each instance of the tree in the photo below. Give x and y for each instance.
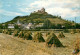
(68, 25)
(77, 26)
(16, 26)
(47, 24)
(53, 26)
(1, 26)
(6, 26)
(58, 26)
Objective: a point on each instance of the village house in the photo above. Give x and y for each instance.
(25, 25)
(39, 25)
(11, 26)
(30, 26)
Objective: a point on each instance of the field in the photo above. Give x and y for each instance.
(10, 45)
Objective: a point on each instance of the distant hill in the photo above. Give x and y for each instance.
(39, 17)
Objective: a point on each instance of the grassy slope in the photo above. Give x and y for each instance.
(56, 20)
(38, 17)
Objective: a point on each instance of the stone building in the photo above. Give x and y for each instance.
(41, 11)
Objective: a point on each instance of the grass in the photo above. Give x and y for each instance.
(59, 21)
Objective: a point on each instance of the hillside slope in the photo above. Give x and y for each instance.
(39, 18)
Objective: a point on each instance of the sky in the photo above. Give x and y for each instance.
(67, 9)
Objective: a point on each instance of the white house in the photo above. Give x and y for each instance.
(30, 26)
(39, 25)
(11, 26)
(24, 26)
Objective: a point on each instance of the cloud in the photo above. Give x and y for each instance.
(58, 3)
(64, 12)
(65, 8)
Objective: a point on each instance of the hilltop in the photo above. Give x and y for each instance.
(42, 20)
(39, 17)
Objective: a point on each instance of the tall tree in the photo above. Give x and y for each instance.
(1, 26)
(47, 24)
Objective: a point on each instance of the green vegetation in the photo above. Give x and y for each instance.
(49, 21)
(47, 24)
